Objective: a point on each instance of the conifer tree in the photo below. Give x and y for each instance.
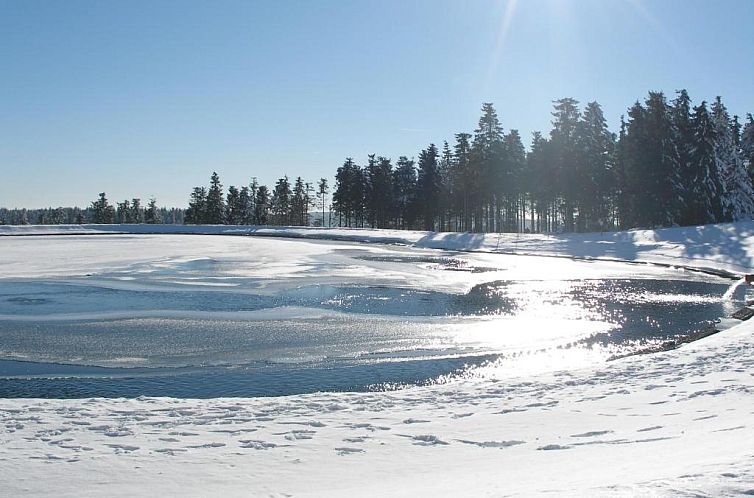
(137, 212)
(215, 207)
(737, 194)
(428, 186)
(196, 214)
(404, 192)
(102, 211)
(233, 210)
(281, 202)
(322, 190)
(152, 214)
(261, 205)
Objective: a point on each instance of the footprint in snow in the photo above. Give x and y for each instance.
(492, 444)
(256, 445)
(592, 434)
(348, 451)
(127, 448)
(207, 445)
(415, 421)
(428, 440)
(653, 428)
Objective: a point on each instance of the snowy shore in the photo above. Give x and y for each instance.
(722, 247)
(671, 423)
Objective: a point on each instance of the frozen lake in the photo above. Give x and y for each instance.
(209, 316)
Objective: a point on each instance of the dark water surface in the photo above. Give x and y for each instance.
(68, 339)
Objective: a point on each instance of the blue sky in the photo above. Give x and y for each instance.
(147, 98)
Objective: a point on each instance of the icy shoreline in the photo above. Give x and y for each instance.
(723, 247)
(669, 423)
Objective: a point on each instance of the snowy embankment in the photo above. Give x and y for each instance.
(722, 247)
(677, 422)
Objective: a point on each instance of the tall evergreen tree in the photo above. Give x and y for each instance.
(707, 207)
(262, 205)
(152, 214)
(196, 214)
(564, 155)
(464, 179)
(595, 172)
(404, 192)
(299, 203)
(428, 186)
(737, 194)
(215, 207)
(281, 202)
(137, 212)
(488, 164)
(322, 191)
(233, 208)
(102, 211)
(747, 145)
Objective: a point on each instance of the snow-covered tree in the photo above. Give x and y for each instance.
(152, 214)
(102, 211)
(747, 145)
(737, 196)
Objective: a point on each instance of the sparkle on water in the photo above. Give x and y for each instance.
(146, 333)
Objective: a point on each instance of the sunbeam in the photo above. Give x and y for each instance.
(502, 34)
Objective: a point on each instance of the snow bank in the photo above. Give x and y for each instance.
(722, 247)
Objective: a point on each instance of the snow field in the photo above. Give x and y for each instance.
(673, 423)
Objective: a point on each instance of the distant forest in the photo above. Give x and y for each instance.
(671, 163)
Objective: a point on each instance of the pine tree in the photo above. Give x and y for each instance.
(261, 205)
(233, 210)
(348, 197)
(152, 214)
(428, 186)
(137, 213)
(196, 214)
(564, 154)
(246, 206)
(737, 194)
(404, 192)
(747, 145)
(102, 211)
(123, 212)
(707, 207)
(215, 207)
(299, 204)
(595, 148)
(378, 191)
(463, 180)
(489, 165)
(322, 191)
(281, 202)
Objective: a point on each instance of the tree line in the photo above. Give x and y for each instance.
(671, 163)
(99, 211)
(254, 204)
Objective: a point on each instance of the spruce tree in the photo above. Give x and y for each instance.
(261, 205)
(102, 211)
(428, 186)
(404, 192)
(233, 212)
(215, 207)
(196, 214)
(152, 213)
(322, 191)
(737, 194)
(281, 202)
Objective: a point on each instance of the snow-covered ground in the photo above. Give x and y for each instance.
(672, 423)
